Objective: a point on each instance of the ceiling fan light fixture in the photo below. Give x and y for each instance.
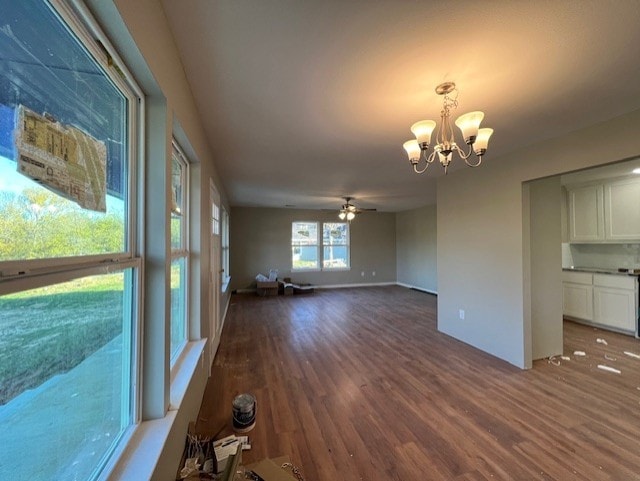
(469, 124)
(350, 215)
(342, 215)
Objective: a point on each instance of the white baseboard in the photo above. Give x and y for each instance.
(361, 284)
(409, 286)
(346, 286)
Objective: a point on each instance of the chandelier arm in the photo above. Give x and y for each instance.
(428, 161)
(420, 171)
(462, 154)
(476, 164)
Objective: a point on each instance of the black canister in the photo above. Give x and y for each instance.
(244, 413)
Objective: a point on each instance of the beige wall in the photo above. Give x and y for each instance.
(542, 267)
(416, 253)
(480, 221)
(260, 240)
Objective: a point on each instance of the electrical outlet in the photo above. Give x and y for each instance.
(461, 314)
(373, 273)
(362, 273)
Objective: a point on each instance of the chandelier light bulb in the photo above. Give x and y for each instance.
(423, 130)
(413, 150)
(482, 141)
(469, 124)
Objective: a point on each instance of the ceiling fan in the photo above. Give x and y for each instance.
(349, 211)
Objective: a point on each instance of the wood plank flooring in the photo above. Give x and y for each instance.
(358, 384)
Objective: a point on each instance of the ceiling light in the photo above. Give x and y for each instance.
(349, 211)
(476, 138)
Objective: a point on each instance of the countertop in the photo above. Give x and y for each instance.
(603, 270)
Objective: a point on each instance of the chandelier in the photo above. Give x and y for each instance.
(476, 138)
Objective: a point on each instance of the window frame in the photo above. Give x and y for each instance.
(184, 251)
(317, 246)
(224, 251)
(23, 275)
(347, 245)
(80, 24)
(320, 245)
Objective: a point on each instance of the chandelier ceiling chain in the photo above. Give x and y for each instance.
(477, 139)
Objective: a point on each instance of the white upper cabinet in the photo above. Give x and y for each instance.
(622, 210)
(586, 213)
(604, 212)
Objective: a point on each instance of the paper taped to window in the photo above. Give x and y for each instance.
(62, 158)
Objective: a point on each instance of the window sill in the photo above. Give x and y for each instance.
(305, 270)
(183, 370)
(225, 284)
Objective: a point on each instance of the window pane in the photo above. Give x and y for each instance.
(335, 257)
(177, 202)
(335, 233)
(178, 306)
(304, 233)
(305, 257)
(64, 377)
(62, 175)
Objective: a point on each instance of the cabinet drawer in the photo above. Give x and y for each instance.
(617, 282)
(577, 277)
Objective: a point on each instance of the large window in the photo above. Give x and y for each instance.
(226, 273)
(304, 246)
(179, 250)
(309, 251)
(68, 268)
(335, 245)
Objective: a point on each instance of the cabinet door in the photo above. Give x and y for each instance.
(577, 301)
(622, 210)
(615, 308)
(586, 214)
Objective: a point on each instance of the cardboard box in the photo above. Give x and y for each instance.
(267, 288)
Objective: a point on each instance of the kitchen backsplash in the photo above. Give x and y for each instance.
(601, 255)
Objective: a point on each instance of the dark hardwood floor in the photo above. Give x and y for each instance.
(357, 384)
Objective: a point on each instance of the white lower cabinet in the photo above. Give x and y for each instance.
(608, 300)
(578, 300)
(615, 301)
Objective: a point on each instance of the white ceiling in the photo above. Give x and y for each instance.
(306, 101)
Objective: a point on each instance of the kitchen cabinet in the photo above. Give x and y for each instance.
(586, 213)
(577, 295)
(615, 301)
(607, 300)
(604, 212)
(622, 210)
